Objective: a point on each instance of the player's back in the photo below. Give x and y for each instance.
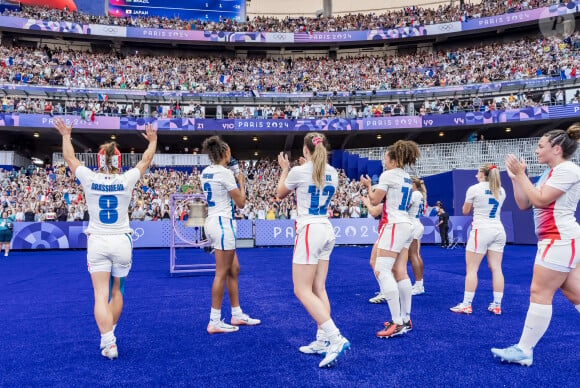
(398, 187)
(217, 181)
(108, 197)
(312, 201)
(486, 208)
(417, 205)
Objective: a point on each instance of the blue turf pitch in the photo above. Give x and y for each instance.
(49, 338)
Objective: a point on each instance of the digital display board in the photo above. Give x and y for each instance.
(209, 10)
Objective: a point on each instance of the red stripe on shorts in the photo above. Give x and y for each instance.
(476, 239)
(573, 253)
(548, 247)
(307, 249)
(392, 238)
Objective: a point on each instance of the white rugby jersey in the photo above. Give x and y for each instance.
(108, 197)
(486, 208)
(417, 205)
(217, 181)
(398, 186)
(312, 202)
(557, 221)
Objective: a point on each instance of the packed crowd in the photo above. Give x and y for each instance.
(405, 17)
(90, 109)
(528, 58)
(53, 195)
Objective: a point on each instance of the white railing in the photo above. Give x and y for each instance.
(438, 158)
(130, 160)
(11, 158)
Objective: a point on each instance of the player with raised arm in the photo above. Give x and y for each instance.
(554, 198)
(487, 236)
(396, 236)
(315, 183)
(221, 190)
(109, 243)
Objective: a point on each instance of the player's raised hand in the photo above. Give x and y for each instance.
(514, 166)
(365, 180)
(62, 128)
(283, 161)
(150, 133)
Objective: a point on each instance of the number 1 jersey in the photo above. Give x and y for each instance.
(108, 197)
(398, 186)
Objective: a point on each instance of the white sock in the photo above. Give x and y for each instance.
(405, 294)
(468, 297)
(215, 315)
(108, 339)
(497, 297)
(321, 335)
(419, 283)
(236, 311)
(331, 331)
(537, 322)
(578, 307)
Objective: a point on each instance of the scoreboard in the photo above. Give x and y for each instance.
(208, 10)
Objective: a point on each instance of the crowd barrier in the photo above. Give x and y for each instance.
(426, 122)
(157, 234)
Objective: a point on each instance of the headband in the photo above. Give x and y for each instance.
(492, 167)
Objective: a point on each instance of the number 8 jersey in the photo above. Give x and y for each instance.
(398, 186)
(312, 202)
(108, 197)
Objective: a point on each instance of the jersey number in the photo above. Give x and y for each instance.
(406, 199)
(495, 203)
(207, 189)
(315, 208)
(108, 205)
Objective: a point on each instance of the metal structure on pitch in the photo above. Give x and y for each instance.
(188, 234)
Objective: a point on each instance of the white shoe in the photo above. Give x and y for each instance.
(334, 351)
(111, 352)
(220, 327)
(380, 298)
(244, 319)
(315, 347)
(416, 290)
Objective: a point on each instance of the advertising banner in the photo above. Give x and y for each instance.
(157, 234)
(360, 231)
(302, 125)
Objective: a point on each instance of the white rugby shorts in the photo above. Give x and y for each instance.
(221, 232)
(110, 253)
(395, 237)
(486, 239)
(558, 255)
(313, 242)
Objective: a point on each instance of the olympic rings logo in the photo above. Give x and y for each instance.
(138, 233)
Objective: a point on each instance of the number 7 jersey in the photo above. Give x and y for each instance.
(312, 202)
(108, 197)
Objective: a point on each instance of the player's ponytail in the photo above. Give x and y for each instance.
(491, 173)
(568, 139)
(316, 144)
(215, 148)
